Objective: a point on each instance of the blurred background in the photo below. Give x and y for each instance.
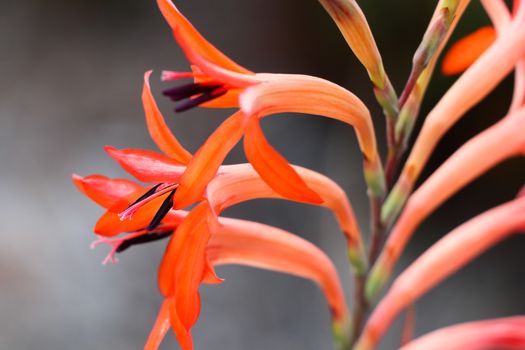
(72, 76)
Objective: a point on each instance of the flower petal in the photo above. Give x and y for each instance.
(441, 260)
(147, 166)
(502, 333)
(192, 41)
(472, 86)
(210, 276)
(274, 168)
(204, 165)
(467, 50)
(304, 94)
(184, 263)
(158, 130)
(183, 335)
(501, 141)
(240, 182)
(104, 191)
(110, 224)
(160, 328)
(252, 244)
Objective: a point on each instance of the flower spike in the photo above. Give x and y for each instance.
(468, 90)
(443, 22)
(503, 140)
(444, 258)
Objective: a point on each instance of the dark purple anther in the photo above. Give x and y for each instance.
(200, 100)
(186, 91)
(150, 192)
(146, 238)
(162, 212)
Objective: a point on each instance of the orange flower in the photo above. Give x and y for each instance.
(219, 82)
(231, 241)
(238, 183)
(148, 166)
(147, 215)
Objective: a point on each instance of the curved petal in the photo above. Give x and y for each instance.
(304, 94)
(158, 130)
(204, 165)
(502, 333)
(104, 191)
(466, 51)
(240, 183)
(181, 332)
(274, 168)
(445, 257)
(184, 264)
(147, 166)
(501, 141)
(469, 89)
(252, 244)
(191, 41)
(160, 328)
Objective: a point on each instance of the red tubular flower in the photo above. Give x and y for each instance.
(190, 258)
(222, 83)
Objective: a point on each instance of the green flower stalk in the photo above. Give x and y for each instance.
(490, 69)
(442, 24)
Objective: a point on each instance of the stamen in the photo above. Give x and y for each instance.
(120, 244)
(172, 75)
(188, 90)
(201, 99)
(146, 238)
(155, 192)
(196, 93)
(162, 212)
(145, 195)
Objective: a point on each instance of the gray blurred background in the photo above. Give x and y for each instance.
(71, 79)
